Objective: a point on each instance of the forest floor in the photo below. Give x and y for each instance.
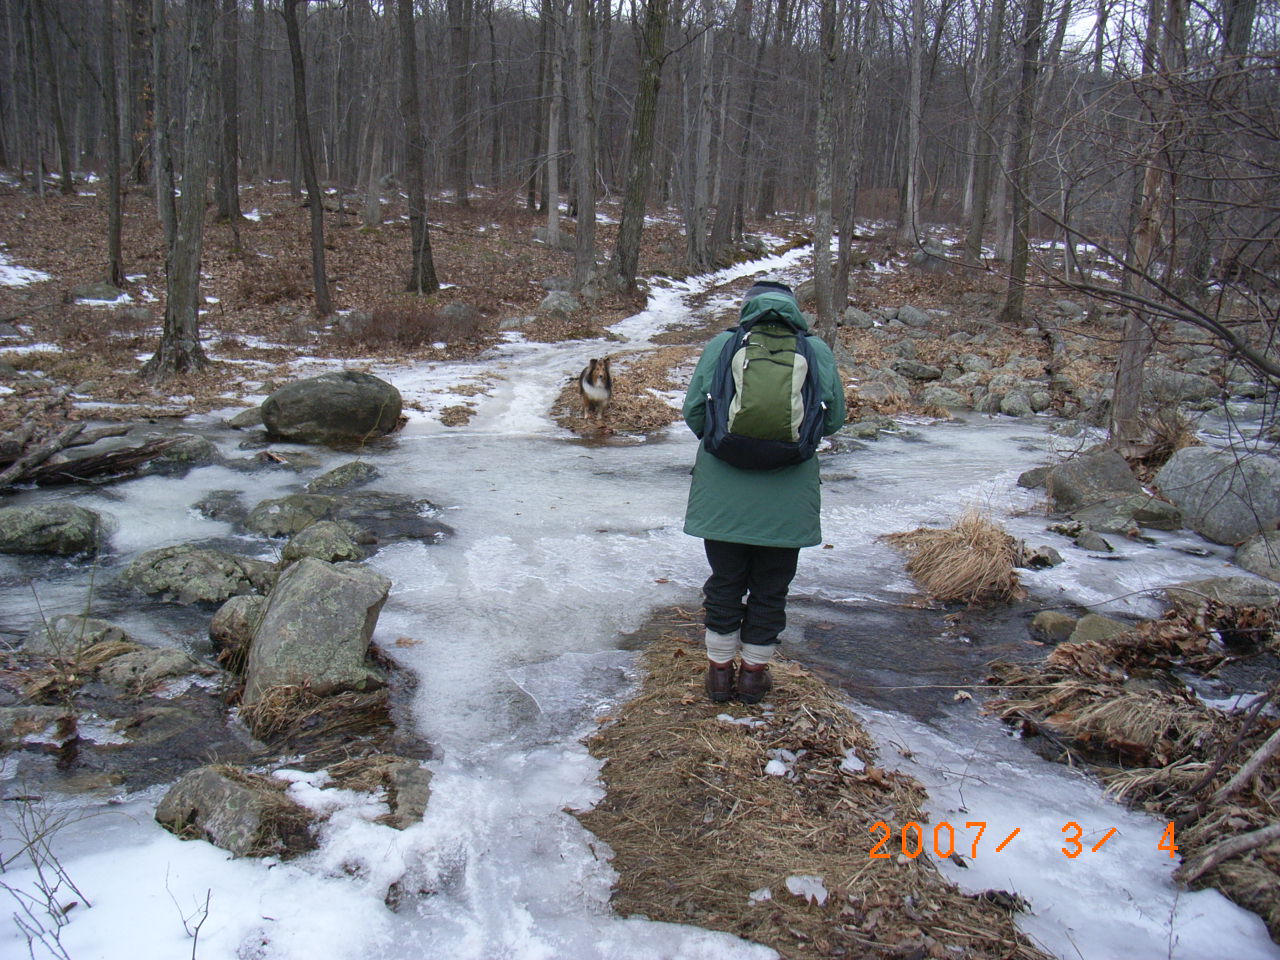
(260, 304)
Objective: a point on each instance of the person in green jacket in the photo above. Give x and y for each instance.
(753, 522)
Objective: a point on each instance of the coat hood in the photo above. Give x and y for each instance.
(783, 301)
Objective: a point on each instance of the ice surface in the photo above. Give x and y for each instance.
(1118, 903)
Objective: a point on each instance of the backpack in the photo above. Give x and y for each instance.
(765, 408)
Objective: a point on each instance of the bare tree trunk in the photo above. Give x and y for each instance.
(825, 137)
(422, 270)
(699, 131)
(540, 85)
(1128, 427)
(180, 351)
(732, 160)
(115, 212)
(261, 146)
(1032, 29)
(552, 189)
(855, 161)
(908, 229)
(302, 123)
(229, 147)
(626, 255)
(584, 147)
(161, 129)
(51, 69)
(460, 14)
(987, 142)
(141, 89)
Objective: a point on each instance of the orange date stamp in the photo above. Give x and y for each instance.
(947, 841)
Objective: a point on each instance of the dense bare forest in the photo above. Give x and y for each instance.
(1147, 131)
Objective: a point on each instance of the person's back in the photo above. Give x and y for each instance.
(753, 520)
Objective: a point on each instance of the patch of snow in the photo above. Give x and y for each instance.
(12, 275)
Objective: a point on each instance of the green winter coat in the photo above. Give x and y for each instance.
(765, 508)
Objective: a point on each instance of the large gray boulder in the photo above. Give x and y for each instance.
(1226, 497)
(315, 630)
(58, 528)
(187, 574)
(1084, 481)
(1261, 555)
(340, 407)
(245, 814)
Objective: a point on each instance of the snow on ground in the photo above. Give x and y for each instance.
(12, 275)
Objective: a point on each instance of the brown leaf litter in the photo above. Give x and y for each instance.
(699, 831)
(1116, 705)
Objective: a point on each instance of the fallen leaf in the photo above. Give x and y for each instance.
(407, 642)
(962, 695)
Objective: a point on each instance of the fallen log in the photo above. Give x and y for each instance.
(1231, 847)
(25, 465)
(112, 463)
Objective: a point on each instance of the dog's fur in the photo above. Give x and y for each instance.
(595, 386)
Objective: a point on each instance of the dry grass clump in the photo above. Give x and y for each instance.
(1167, 751)
(1171, 431)
(327, 729)
(697, 826)
(971, 562)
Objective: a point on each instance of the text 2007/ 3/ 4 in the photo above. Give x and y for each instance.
(913, 837)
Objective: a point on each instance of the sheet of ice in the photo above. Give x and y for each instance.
(1117, 902)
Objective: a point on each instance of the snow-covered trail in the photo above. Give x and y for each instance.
(514, 628)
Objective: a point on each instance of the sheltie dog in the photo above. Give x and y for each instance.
(595, 384)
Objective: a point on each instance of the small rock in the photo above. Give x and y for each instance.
(1088, 540)
(246, 419)
(232, 628)
(913, 316)
(186, 574)
(1033, 478)
(67, 634)
(1052, 626)
(559, 305)
(245, 814)
(62, 529)
(324, 540)
(1092, 626)
(1261, 555)
(353, 474)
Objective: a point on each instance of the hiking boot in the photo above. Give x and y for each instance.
(719, 681)
(754, 684)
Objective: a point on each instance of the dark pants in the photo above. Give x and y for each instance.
(762, 575)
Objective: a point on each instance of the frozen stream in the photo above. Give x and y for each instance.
(516, 628)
